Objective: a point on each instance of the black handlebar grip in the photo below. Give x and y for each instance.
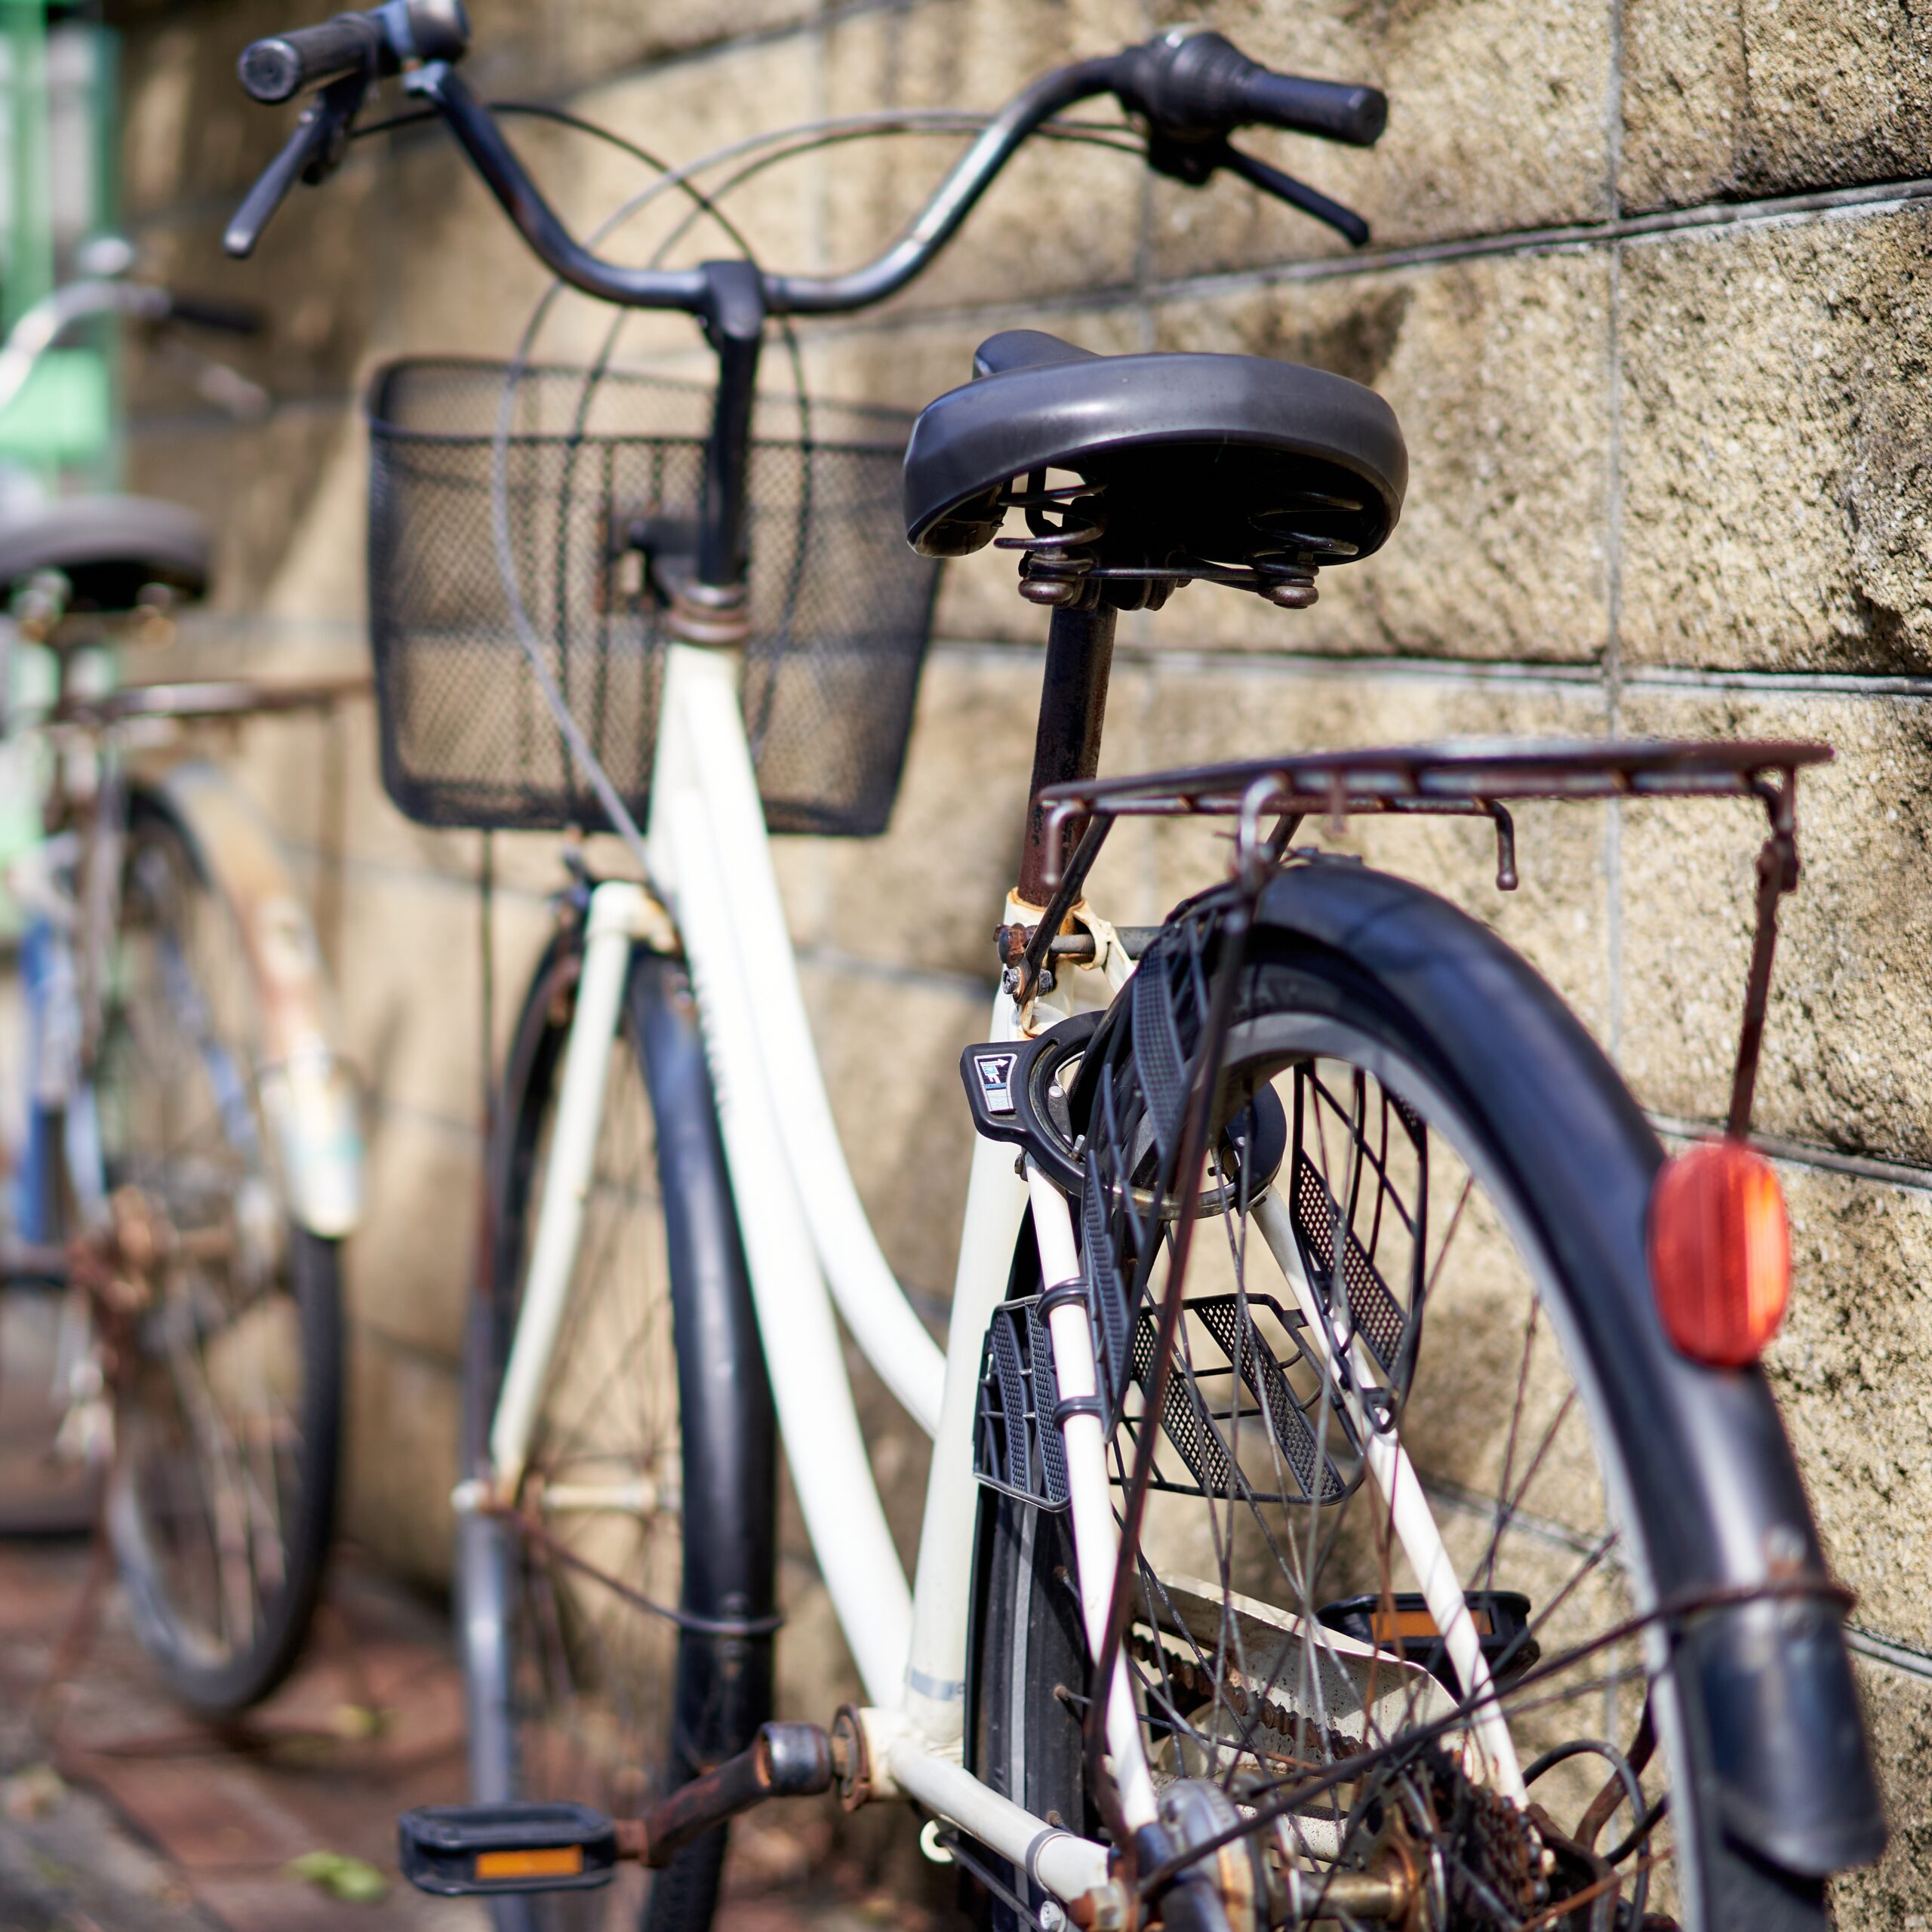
(279, 68)
(1336, 110)
(229, 317)
(1193, 84)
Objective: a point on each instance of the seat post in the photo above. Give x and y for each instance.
(1073, 704)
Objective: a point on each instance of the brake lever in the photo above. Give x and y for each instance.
(1297, 194)
(1195, 160)
(215, 381)
(312, 154)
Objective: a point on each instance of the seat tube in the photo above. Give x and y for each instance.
(1066, 746)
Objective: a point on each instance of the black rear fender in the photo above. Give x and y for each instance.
(1765, 1687)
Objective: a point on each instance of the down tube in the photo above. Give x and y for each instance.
(703, 736)
(837, 1493)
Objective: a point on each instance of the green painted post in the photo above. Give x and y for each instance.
(26, 244)
(104, 87)
(57, 109)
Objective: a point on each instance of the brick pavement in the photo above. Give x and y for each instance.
(119, 1813)
(157, 1823)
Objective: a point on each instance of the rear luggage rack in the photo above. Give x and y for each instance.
(1472, 778)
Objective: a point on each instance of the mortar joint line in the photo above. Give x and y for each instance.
(1613, 664)
(1707, 217)
(1613, 112)
(1567, 675)
(1910, 1660)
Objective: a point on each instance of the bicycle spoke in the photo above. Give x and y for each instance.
(592, 1664)
(226, 1325)
(229, 1506)
(1397, 1242)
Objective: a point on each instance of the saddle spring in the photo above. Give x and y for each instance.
(1060, 566)
(1057, 563)
(1285, 563)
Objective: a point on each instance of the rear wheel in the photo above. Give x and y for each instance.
(226, 1356)
(583, 1684)
(1284, 1622)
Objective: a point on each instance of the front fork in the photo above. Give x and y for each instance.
(620, 915)
(59, 1180)
(61, 1142)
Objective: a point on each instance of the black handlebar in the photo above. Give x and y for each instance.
(691, 289)
(1193, 88)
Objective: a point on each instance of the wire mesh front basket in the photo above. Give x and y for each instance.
(603, 481)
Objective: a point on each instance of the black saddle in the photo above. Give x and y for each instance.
(1253, 472)
(109, 548)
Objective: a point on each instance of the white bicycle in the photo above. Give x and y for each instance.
(190, 1158)
(1330, 1519)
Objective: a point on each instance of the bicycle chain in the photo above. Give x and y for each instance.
(1187, 1675)
(1497, 1848)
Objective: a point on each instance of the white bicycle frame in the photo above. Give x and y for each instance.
(307, 1096)
(809, 1246)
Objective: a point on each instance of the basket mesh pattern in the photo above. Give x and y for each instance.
(600, 479)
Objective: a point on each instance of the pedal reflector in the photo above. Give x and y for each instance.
(563, 1861)
(456, 1850)
(1403, 1624)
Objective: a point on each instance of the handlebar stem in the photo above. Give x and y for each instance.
(734, 324)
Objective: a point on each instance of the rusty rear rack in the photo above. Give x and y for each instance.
(1475, 778)
(202, 702)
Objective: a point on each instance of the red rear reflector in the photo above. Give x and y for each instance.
(1720, 1252)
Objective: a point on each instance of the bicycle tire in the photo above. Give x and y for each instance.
(1304, 1004)
(685, 1701)
(180, 971)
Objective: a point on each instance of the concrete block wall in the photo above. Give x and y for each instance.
(1651, 291)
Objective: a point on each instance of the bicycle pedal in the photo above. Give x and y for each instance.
(457, 1851)
(1403, 1623)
